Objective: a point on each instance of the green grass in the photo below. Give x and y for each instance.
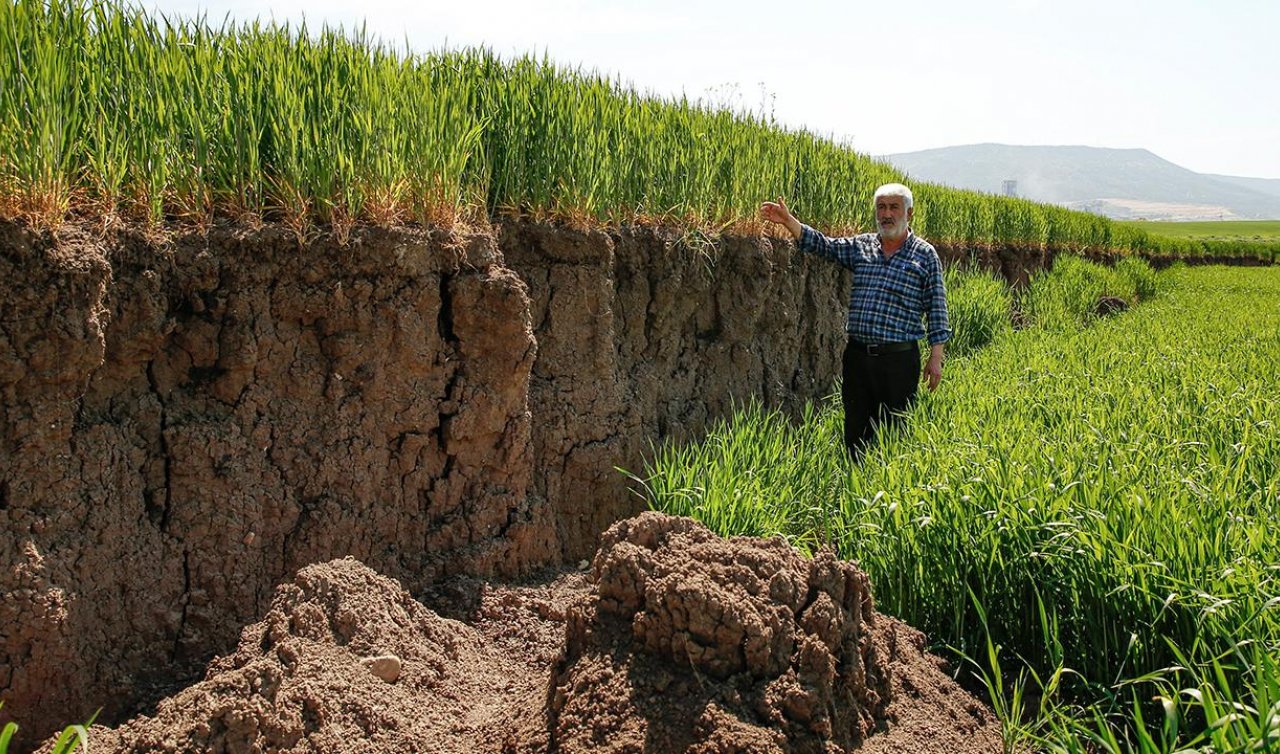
(1067, 296)
(1236, 231)
(980, 308)
(1092, 501)
(106, 112)
(71, 738)
(1225, 704)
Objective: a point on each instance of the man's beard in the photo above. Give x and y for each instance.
(894, 232)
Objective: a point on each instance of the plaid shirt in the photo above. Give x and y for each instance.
(888, 297)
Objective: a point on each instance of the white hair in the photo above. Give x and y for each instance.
(894, 189)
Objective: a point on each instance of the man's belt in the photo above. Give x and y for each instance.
(876, 349)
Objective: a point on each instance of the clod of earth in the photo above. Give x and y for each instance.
(747, 630)
(386, 667)
(1108, 305)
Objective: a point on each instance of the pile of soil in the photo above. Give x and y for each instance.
(675, 640)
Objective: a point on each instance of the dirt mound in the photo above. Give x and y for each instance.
(345, 661)
(750, 629)
(695, 643)
(675, 641)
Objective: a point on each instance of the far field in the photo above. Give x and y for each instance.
(1249, 231)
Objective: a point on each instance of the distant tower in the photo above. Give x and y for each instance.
(1010, 187)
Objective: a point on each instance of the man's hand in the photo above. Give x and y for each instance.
(933, 369)
(777, 212)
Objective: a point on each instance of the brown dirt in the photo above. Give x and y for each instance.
(186, 420)
(1109, 305)
(676, 640)
(649, 335)
(1015, 265)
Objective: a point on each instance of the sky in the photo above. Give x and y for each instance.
(1197, 82)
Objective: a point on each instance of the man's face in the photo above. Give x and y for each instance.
(892, 216)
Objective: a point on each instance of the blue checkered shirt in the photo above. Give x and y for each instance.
(889, 297)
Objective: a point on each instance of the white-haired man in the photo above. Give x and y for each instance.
(897, 289)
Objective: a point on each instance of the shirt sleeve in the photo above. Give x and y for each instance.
(839, 250)
(936, 301)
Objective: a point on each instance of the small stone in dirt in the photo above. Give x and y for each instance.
(386, 667)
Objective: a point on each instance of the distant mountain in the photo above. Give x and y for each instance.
(1121, 183)
(1265, 185)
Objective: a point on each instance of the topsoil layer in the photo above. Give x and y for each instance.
(674, 640)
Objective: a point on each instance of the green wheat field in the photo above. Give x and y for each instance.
(106, 112)
(1231, 231)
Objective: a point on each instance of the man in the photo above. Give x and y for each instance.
(897, 282)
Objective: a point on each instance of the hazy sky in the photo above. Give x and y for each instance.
(1195, 81)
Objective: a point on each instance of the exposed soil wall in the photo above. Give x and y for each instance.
(1017, 264)
(644, 337)
(186, 422)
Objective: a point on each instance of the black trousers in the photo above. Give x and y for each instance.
(876, 390)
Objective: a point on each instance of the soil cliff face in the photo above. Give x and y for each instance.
(646, 336)
(187, 423)
(184, 423)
